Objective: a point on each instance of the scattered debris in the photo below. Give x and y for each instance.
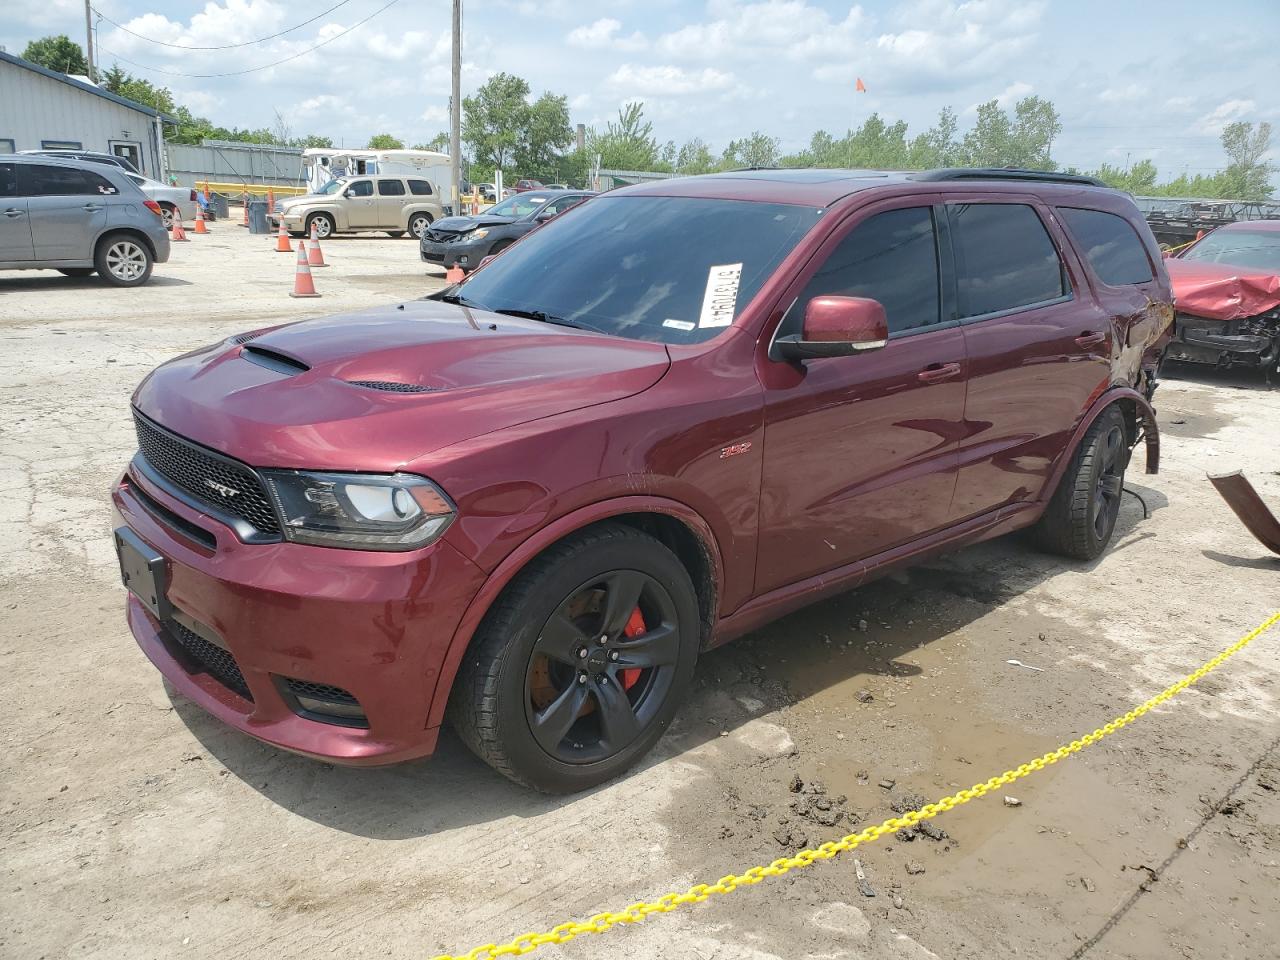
(865, 696)
(790, 836)
(915, 867)
(887, 784)
(897, 901)
(864, 885)
(796, 784)
(1088, 884)
(906, 802)
(1026, 666)
(862, 777)
(1012, 802)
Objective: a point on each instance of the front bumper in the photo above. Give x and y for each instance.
(375, 625)
(292, 221)
(1252, 341)
(457, 253)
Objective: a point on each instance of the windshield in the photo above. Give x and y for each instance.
(1242, 248)
(333, 186)
(517, 206)
(669, 269)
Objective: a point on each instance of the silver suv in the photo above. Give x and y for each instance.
(351, 204)
(78, 217)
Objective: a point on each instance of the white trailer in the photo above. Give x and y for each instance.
(319, 166)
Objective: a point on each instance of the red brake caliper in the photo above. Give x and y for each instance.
(635, 627)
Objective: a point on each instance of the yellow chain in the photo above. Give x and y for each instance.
(601, 922)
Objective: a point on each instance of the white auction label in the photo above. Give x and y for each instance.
(721, 298)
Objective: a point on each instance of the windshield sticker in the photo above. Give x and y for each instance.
(679, 324)
(721, 298)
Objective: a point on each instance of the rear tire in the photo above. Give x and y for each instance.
(76, 271)
(419, 224)
(168, 214)
(523, 662)
(123, 260)
(1081, 516)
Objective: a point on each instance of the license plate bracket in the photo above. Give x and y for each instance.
(144, 572)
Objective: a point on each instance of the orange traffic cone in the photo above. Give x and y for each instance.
(303, 285)
(245, 199)
(454, 274)
(200, 227)
(282, 240)
(315, 256)
(176, 233)
(271, 200)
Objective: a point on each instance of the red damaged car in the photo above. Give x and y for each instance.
(1226, 287)
(680, 410)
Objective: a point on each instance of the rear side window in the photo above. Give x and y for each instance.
(49, 181)
(420, 188)
(1110, 244)
(1004, 258)
(361, 188)
(893, 258)
(390, 188)
(8, 179)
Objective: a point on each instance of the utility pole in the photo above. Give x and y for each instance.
(455, 111)
(88, 37)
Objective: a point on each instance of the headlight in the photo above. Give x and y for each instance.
(477, 234)
(360, 511)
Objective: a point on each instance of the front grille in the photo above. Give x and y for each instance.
(215, 661)
(319, 691)
(392, 386)
(441, 236)
(224, 484)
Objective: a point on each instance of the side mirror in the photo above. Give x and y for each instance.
(347, 193)
(836, 327)
(543, 216)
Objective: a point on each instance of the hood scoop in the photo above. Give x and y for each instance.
(393, 386)
(274, 360)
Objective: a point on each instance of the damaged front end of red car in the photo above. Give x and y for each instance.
(1227, 315)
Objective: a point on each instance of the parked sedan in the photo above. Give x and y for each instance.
(179, 200)
(523, 186)
(465, 241)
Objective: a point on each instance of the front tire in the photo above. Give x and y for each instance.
(324, 225)
(123, 260)
(1081, 517)
(579, 667)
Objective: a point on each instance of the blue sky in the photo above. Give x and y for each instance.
(1130, 80)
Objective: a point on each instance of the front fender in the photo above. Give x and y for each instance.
(1144, 413)
(555, 531)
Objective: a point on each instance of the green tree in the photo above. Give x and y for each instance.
(385, 141)
(493, 120)
(937, 146)
(122, 84)
(313, 140)
(877, 145)
(757, 150)
(694, 158)
(1023, 140)
(439, 143)
(545, 133)
(628, 143)
(1247, 176)
(59, 53)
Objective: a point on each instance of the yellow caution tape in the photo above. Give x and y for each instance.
(602, 922)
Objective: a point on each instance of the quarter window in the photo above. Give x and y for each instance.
(361, 188)
(420, 188)
(1004, 258)
(892, 258)
(8, 179)
(390, 188)
(48, 181)
(1110, 244)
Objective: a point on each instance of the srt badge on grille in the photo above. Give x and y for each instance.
(222, 489)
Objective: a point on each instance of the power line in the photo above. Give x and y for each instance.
(265, 66)
(225, 46)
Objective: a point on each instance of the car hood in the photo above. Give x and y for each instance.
(306, 198)
(465, 224)
(298, 396)
(1222, 291)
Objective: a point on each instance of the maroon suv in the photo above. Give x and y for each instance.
(674, 413)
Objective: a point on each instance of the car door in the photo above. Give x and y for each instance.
(361, 205)
(391, 201)
(67, 208)
(1038, 347)
(860, 451)
(15, 225)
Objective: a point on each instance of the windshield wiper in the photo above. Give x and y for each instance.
(543, 317)
(461, 301)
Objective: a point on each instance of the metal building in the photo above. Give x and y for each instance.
(43, 109)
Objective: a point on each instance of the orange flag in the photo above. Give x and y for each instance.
(860, 87)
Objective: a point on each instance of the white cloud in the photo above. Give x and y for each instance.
(1226, 112)
(605, 33)
(435, 114)
(668, 80)
(1128, 93)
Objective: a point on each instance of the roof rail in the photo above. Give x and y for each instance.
(1006, 173)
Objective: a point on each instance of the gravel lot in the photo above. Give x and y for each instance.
(135, 827)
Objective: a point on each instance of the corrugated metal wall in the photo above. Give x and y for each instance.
(234, 163)
(35, 108)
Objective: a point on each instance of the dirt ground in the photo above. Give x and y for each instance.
(136, 827)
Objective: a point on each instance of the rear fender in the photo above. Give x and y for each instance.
(1144, 416)
(516, 561)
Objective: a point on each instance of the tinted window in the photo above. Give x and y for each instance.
(420, 188)
(390, 188)
(66, 181)
(1243, 248)
(669, 269)
(891, 257)
(361, 188)
(562, 203)
(1004, 258)
(8, 179)
(1110, 244)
